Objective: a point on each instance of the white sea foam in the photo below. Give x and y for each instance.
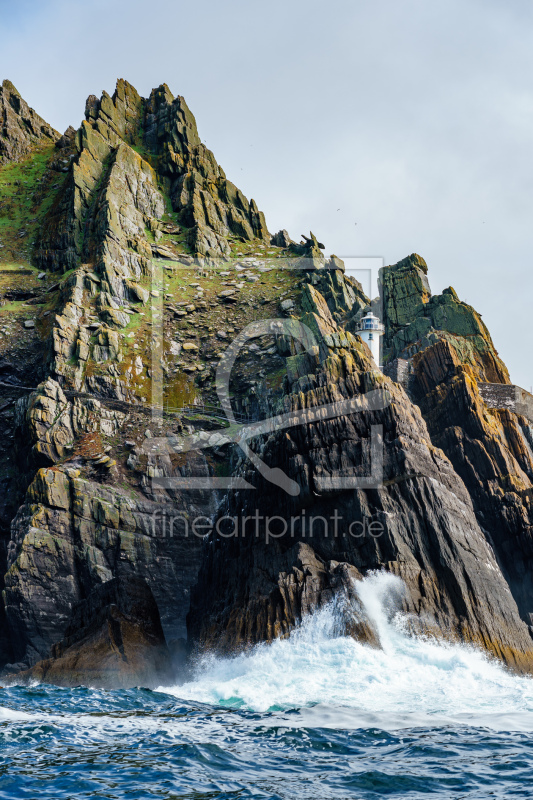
(335, 681)
(11, 715)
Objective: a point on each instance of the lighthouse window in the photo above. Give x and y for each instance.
(370, 335)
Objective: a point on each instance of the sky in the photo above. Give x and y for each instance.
(386, 127)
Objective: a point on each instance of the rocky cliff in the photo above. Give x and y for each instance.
(114, 640)
(187, 410)
(418, 520)
(22, 129)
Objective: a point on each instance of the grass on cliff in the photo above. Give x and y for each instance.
(27, 190)
(179, 285)
(15, 279)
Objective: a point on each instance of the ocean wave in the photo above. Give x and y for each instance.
(410, 680)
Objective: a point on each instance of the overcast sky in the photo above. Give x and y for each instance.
(411, 118)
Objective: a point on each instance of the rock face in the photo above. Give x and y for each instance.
(255, 585)
(404, 290)
(21, 128)
(114, 640)
(73, 535)
(452, 356)
(415, 319)
(206, 201)
(146, 262)
(112, 201)
(492, 451)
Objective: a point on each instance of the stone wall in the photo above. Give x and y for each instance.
(399, 370)
(513, 398)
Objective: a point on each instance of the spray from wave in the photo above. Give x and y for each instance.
(334, 680)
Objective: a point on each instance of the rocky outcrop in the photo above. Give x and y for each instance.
(21, 129)
(48, 424)
(72, 535)
(415, 319)
(254, 585)
(344, 295)
(404, 290)
(507, 397)
(107, 201)
(310, 251)
(281, 239)
(114, 640)
(492, 450)
(115, 428)
(449, 354)
(205, 200)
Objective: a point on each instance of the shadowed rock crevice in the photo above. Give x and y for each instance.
(114, 640)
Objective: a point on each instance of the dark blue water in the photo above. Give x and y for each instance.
(314, 716)
(81, 743)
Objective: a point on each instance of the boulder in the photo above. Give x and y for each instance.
(115, 317)
(138, 292)
(67, 139)
(171, 228)
(160, 251)
(281, 239)
(228, 296)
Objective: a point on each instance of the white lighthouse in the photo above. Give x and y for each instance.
(371, 330)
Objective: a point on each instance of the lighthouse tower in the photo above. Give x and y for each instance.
(371, 330)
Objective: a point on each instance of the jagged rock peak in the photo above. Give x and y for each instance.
(163, 127)
(162, 95)
(68, 138)
(281, 239)
(21, 128)
(129, 141)
(404, 290)
(414, 261)
(415, 319)
(120, 115)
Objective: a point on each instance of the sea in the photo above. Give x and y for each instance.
(317, 715)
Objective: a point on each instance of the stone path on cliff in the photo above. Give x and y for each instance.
(203, 410)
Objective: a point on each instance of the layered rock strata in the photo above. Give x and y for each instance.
(257, 584)
(151, 261)
(114, 641)
(21, 129)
